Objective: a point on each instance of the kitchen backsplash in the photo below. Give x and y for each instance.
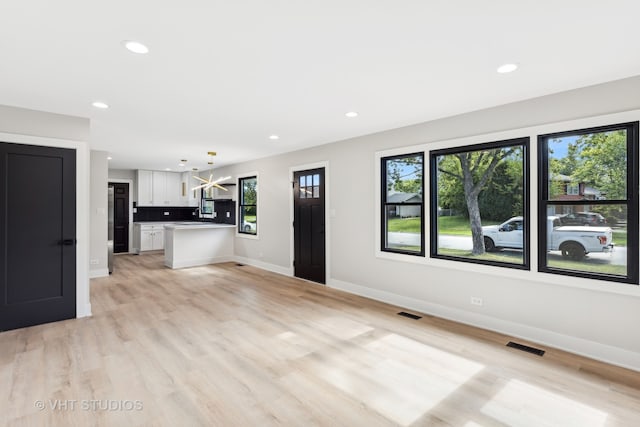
(165, 214)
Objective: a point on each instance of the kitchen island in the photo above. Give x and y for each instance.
(191, 244)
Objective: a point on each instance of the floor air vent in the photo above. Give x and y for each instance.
(409, 315)
(526, 348)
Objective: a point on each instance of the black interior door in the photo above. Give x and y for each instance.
(37, 235)
(308, 225)
(120, 217)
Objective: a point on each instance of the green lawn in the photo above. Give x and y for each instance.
(620, 237)
(458, 225)
(588, 265)
(453, 225)
(554, 260)
(250, 218)
(404, 225)
(514, 257)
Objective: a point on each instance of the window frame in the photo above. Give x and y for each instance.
(631, 202)
(384, 204)
(433, 199)
(241, 205)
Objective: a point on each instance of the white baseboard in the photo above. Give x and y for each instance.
(265, 266)
(591, 349)
(102, 272)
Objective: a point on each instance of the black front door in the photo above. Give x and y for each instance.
(308, 225)
(37, 235)
(120, 217)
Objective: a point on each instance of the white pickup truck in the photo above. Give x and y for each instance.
(573, 241)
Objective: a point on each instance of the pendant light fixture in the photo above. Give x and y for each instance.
(207, 184)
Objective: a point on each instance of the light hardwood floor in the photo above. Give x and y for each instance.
(231, 345)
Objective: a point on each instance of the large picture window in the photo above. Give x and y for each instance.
(588, 208)
(479, 197)
(402, 204)
(248, 206)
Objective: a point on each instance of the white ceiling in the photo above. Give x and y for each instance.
(224, 75)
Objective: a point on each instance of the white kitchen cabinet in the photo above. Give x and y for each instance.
(145, 188)
(189, 197)
(146, 240)
(148, 237)
(158, 188)
(172, 189)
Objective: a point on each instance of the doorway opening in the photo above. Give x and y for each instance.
(119, 217)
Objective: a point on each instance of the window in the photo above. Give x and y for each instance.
(578, 232)
(248, 223)
(402, 204)
(573, 189)
(479, 205)
(310, 186)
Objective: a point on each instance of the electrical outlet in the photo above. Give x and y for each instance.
(476, 301)
(95, 262)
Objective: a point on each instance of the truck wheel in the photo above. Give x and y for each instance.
(489, 246)
(573, 251)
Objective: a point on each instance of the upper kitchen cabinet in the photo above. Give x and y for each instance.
(190, 197)
(157, 188)
(145, 188)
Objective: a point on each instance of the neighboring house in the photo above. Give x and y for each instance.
(398, 198)
(567, 189)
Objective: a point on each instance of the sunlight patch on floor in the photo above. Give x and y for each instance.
(398, 377)
(341, 327)
(523, 404)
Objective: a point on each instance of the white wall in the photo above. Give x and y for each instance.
(589, 317)
(98, 219)
(23, 126)
(39, 123)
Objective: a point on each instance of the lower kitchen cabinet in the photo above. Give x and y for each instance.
(148, 237)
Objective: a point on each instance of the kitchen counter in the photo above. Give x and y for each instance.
(190, 244)
(187, 225)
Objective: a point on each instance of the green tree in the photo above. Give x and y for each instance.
(474, 170)
(249, 191)
(603, 163)
(405, 175)
(503, 196)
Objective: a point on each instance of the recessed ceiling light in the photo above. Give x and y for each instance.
(507, 68)
(274, 137)
(100, 104)
(180, 164)
(109, 158)
(135, 47)
(167, 169)
(351, 114)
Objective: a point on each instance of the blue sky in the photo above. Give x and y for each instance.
(560, 146)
